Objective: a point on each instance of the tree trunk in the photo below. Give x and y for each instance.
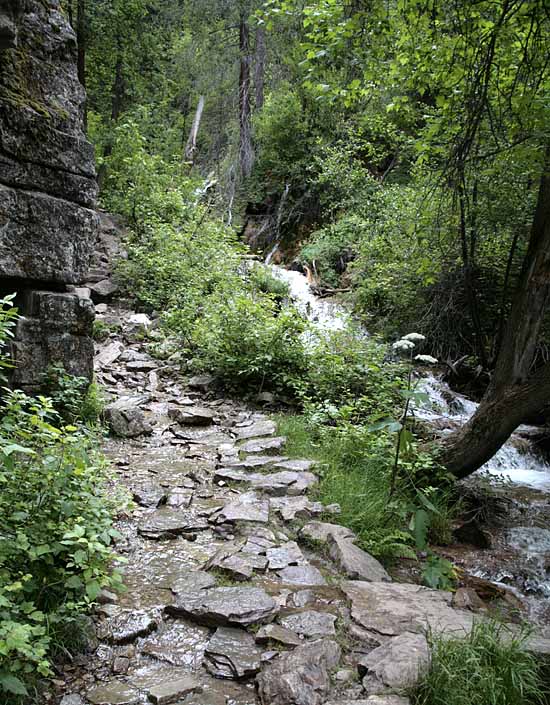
(246, 154)
(117, 99)
(259, 67)
(191, 146)
(515, 391)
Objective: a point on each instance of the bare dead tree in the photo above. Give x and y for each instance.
(259, 66)
(191, 146)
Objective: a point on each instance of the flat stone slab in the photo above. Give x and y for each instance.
(192, 581)
(280, 635)
(354, 562)
(179, 497)
(232, 560)
(255, 461)
(310, 623)
(286, 482)
(374, 700)
(225, 606)
(246, 507)
(113, 693)
(302, 575)
(192, 415)
(149, 495)
(396, 665)
(291, 508)
(256, 430)
(319, 531)
(172, 690)
(126, 627)
(295, 465)
(168, 523)
(282, 556)
(260, 445)
(392, 609)
(232, 653)
(301, 676)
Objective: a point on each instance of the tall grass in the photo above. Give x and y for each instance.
(354, 469)
(490, 667)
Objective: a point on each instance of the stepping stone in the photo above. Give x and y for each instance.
(126, 627)
(233, 654)
(142, 365)
(256, 430)
(302, 575)
(284, 483)
(108, 354)
(285, 555)
(319, 532)
(300, 676)
(396, 665)
(391, 609)
(277, 634)
(260, 445)
(291, 508)
(192, 581)
(224, 606)
(192, 415)
(172, 690)
(229, 474)
(255, 461)
(149, 495)
(354, 562)
(239, 565)
(247, 507)
(374, 700)
(113, 693)
(258, 545)
(310, 623)
(295, 465)
(168, 523)
(179, 497)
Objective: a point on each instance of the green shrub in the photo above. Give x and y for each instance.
(55, 537)
(73, 397)
(249, 344)
(261, 280)
(489, 667)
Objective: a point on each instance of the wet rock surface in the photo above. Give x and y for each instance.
(238, 582)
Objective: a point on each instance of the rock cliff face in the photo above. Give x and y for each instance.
(47, 190)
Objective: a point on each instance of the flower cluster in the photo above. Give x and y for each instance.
(408, 342)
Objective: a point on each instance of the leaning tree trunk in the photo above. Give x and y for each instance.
(516, 391)
(191, 146)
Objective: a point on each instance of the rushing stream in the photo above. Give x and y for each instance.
(520, 555)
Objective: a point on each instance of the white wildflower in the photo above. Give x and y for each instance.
(426, 358)
(415, 337)
(403, 345)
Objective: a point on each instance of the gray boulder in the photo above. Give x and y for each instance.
(225, 606)
(125, 419)
(396, 665)
(232, 653)
(354, 562)
(300, 677)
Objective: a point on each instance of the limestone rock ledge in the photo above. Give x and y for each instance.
(48, 188)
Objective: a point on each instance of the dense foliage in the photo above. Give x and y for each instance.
(56, 532)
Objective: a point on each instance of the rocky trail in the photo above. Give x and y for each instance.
(240, 589)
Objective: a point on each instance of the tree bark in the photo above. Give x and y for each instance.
(246, 154)
(117, 99)
(259, 67)
(516, 391)
(191, 146)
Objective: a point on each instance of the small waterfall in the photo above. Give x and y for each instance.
(277, 228)
(444, 406)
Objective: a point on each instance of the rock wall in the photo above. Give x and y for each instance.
(47, 190)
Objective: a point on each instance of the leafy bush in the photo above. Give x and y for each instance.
(489, 667)
(262, 280)
(74, 398)
(56, 528)
(248, 343)
(55, 537)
